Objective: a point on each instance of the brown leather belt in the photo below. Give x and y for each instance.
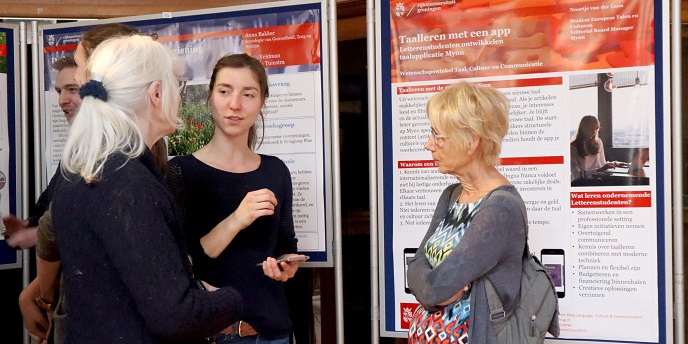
(241, 328)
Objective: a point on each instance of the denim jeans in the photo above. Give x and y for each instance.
(221, 338)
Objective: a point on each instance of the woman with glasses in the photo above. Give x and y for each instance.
(474, 234)
(236, 205)
(126, 273)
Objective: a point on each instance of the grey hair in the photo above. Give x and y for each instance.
(126, 66)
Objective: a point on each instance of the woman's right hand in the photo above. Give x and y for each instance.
(606, 167)
(456, 296)
(254, 205)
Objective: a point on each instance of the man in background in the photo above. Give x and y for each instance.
(22, 234)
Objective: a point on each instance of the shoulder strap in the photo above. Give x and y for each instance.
(456, 193)
(498, 315)
(523, 212)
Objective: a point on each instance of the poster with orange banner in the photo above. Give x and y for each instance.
(287, 38)
(577, 74)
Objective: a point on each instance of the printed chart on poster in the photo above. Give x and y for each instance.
(287, 37)
(9, 114)
(569, 69)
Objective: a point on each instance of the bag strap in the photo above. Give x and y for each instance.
(455, 195)
(498, 315)
(526, 249)
(497, 312)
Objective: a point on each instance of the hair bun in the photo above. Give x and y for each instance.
(94, 89)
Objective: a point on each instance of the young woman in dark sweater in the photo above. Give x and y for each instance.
(236, 206)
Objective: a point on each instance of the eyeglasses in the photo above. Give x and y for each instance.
(182, 85)
(435, 137)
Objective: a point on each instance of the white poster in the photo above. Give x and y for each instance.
(567, 71)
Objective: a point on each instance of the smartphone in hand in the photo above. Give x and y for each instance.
(289, 259)
(294, 259)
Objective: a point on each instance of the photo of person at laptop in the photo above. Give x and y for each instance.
(587, 153)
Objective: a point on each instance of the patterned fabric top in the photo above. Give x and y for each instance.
(454, 317)
(450, 231)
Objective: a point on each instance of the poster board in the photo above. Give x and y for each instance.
(9, 135)
(289, 38)
(556, 61)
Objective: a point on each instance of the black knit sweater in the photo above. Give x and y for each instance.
(205, 196)
(126, 273)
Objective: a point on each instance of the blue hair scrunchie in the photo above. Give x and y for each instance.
(95, 89)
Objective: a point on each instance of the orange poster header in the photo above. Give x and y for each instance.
(533, 160)
(530, 160)
(478, 38)
(274, 46)
(416, 164)
(611, 199)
